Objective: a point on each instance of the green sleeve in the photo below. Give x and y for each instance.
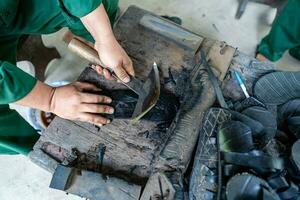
(14, 83)
(16, 135)
(285, 32)
(80, 8)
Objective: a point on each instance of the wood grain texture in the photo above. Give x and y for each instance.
(130, 150)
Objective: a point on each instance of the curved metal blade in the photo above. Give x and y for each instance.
(148, 100)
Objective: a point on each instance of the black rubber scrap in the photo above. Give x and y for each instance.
(289, 115)
(249, 187)
(235, 136)
(289, 193)
(295, 155)
(290, 108)
(255, 126)
(257, 161)
(124, 102)
(278, 87)
(267, 119)
(278, 182)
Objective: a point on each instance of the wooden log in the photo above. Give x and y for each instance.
(129, 149)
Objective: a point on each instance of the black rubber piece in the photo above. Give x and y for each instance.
(255, 126)
(293, 172)
(246, 103)
(235, 136)
(229, 170)
(294, 125)
(295, 155)
(124, 102)
(289, 115)
(249, 187)
(267, 119)
(278, 87)
(261, 163)
(278, 182)
(289, 109)
(290, 193)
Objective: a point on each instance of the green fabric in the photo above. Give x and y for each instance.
(8, 12)
(16, 135)
(21, 17)
(295, 52)
(14, 83)
(284, 34)
(80, 8)
(76, 26)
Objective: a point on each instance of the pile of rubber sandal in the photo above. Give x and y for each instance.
(260, 145)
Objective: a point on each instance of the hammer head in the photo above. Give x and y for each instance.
(148, 95)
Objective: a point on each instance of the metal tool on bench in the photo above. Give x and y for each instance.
(148, 92)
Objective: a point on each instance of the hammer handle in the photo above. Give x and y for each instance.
(90, 54)
(87, 52)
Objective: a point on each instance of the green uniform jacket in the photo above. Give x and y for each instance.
(22, 17)
(284, 35)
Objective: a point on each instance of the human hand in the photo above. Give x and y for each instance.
(71, 102)
(113, 56)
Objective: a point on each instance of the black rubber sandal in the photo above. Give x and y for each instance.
(278, 87)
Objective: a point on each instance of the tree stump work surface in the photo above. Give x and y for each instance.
(130, 150)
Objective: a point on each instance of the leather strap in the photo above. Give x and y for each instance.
(295, 121)
(289, 193)
(267, 195)
(214, 81)
(220, 56)
(278, 182)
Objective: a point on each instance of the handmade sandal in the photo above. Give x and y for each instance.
(278, 87)
(289, 114)
(267, 119)
(235, 137)
(249, 187)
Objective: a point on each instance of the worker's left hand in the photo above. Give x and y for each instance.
(115, 57)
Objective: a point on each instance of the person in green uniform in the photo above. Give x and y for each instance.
(90, 19)
(284, 34)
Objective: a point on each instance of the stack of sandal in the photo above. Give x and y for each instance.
(260, 146)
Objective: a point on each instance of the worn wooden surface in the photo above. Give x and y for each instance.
(158, 187)
(112, 188)
(145, 46)
(130, 150)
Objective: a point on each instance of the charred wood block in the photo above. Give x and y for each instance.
(93, 185)
(62, 177)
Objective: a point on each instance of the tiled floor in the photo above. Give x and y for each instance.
(22, 180)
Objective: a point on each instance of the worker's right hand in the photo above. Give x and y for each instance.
(73, 103)
(114, 56)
